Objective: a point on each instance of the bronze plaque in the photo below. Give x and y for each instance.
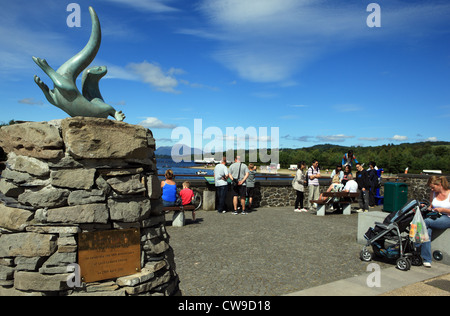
(109, 254)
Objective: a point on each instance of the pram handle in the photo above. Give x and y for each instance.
(424, 205)
(428, 212)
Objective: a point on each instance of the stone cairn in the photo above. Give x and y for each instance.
(77, 175)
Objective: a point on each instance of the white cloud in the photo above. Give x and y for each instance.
(371, 139)
(304, 138)
(157, 6)
(399, 138)
(31, 101)
(19, 43)
(117, 72)
(270, 41)
(347, 108)
(154, 75)
(333, 138)
(153, 122)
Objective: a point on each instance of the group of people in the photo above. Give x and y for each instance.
(170, 197)
(242, 183)
(365, 181)
(242, 179)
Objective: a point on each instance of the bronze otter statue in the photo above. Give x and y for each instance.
(65, 94)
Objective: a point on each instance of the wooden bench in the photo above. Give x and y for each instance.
(178, 218)
(322, 205)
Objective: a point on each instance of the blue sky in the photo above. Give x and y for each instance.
(314, 69)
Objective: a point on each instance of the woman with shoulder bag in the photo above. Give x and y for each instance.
(299, 186)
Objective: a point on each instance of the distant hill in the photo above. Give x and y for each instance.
(392, 158)
(166, 151)
(163, 151)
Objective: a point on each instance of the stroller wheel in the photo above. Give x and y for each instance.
(437, 255)
(403, 264)
(365, 255)
(416, 260)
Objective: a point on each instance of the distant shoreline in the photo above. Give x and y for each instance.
(279, 171)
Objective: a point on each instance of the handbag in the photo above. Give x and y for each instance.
(418, 231)
(294, 180)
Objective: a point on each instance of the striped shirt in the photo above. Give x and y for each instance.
(312, 171)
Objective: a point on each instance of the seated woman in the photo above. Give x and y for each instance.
(169, 189)
(347, 171)
(335, 186)
(440, 202)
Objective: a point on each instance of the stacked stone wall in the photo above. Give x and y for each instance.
(72, 176)
(279, 193)
(417, 185)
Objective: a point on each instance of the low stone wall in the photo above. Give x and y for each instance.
(417, 186)
(68, 177)
(275, 193)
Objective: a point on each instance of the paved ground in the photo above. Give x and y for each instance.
(271, 251)
(418, 281)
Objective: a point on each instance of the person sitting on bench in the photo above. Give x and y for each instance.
(187, 196)
(169, 189)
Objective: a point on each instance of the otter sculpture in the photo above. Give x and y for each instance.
(65, 94)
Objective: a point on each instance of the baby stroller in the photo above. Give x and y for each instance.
(390, 239)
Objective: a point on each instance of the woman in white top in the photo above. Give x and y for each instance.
(440, 202)
(299, 186)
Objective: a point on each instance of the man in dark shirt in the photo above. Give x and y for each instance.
(373, 179)
(362, 178)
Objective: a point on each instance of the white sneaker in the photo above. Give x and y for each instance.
(427, 264)
(360, 210)
(297, 210)
(304, 210)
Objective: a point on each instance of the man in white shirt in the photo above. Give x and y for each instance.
(351, 185)
(220, 180)
(313, 183)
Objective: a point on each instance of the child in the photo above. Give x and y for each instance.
(251, 184)
(187, 196)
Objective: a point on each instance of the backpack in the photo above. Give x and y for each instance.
(307, 177)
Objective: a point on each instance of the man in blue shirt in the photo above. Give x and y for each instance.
(348, 159)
